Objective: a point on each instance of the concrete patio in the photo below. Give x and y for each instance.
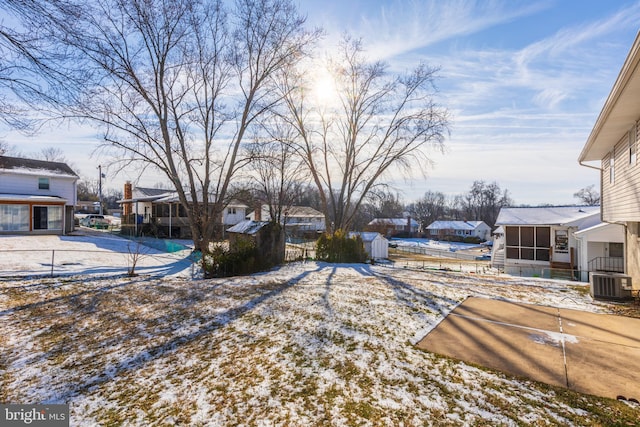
(590, 353)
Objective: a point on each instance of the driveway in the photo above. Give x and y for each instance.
(590, 353)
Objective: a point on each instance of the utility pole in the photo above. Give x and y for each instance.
(100, 187)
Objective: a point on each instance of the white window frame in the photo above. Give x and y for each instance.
(612, 167)
(44, 183)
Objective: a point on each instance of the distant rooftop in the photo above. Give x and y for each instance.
(547, 215)
(36, 166)
(393, 221)
(455, 225)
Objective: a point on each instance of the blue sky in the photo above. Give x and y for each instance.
(524, 81)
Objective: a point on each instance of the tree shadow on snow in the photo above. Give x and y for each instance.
(172, 327)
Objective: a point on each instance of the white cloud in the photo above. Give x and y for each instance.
(406, 26)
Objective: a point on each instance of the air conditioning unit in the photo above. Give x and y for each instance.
(612, 286)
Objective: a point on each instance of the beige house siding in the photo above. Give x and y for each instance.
(621, 199)
(632, 251)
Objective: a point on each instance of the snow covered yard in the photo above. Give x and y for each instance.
(307, 344)
(86, 252)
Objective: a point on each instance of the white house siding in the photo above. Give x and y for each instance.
(233, 215)
(482, 231)
(28, 184)
(596, 242)
(621, 200)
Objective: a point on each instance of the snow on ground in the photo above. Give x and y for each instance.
(433, 244)
(305, 344)
(86, 252)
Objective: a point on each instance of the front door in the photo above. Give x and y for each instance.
(561, 246)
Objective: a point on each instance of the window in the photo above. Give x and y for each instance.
(616, 250)
(528, 243)
(14, 217)
(43, 183)
(612, 172)
(526, 237)
(231, 211)
(562, 240)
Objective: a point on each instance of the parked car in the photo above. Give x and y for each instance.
(484, 257)
(97, 221)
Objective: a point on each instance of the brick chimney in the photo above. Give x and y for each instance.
(257, 216)
(128, 195)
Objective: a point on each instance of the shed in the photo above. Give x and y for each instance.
(375, 244)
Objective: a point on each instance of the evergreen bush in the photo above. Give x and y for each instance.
(339, 247)
(222, 262)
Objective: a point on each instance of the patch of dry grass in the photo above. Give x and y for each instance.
(312, 345)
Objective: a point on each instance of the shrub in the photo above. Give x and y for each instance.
(338, 247)
(472, 239)
(222, 262)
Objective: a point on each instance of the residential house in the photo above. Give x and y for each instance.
(394, 226)
(612, 148)
(87, 207)
(160, 211)
(600, 248)
(298, 218)
(375, 244)
(542, 240)
(36, 196)
(459, 229)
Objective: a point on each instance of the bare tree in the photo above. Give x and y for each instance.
(483, 202)
(277, 172)
(433, 206)
(52, 154)
(33, 67)
(5, 149)
(382, 124)
(588, 195)
(177, 84)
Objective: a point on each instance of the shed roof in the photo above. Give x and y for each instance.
(547, 215)
(247, 227)
(367, 236)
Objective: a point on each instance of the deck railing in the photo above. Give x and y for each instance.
(611, 264)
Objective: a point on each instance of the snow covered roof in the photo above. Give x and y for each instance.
(615, 230)
(393, 221)
(139, 192)
(303, 212)
(247, 227)
(455, 225)
(36, 167)
(366, 236)
(30, 198)
(548, 215)
(158, 195)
